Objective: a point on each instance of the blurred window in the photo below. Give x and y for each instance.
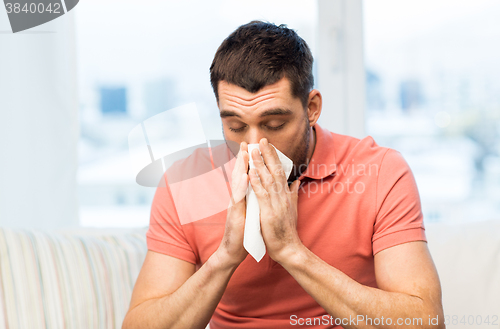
(433, 93)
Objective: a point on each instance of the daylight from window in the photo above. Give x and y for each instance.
(433, 93)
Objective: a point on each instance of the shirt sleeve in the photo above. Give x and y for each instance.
(165, 234)
(399, 216)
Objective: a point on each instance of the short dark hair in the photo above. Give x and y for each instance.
(259, 54)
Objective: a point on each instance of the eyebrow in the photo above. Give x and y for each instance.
(276, 111)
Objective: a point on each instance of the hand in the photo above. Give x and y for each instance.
(231, 250)
(277, 202)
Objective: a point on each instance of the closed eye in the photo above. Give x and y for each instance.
(277, 127)
(237, 130)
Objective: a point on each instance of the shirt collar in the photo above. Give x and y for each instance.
(322, 163)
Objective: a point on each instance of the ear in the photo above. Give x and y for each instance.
(314, 106)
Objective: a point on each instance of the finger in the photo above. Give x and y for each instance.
(236, 165)
(239, 175)
(240, 191)
(246, 157)
(263, 196)
(244, 146)
(241, 164)
(294, 189)
(272, 161)
(266, 179)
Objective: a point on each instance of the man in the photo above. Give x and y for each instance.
(345, 240)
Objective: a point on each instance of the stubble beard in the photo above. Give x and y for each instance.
(299, 157)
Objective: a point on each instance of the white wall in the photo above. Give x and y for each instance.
(38, 125)
(341, 69)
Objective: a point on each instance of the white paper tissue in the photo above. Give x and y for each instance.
(252, 239)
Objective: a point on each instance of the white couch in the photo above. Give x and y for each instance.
(68, 279)
(84, 278)
(467, 257)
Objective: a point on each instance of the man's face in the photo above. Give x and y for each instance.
(271, 113)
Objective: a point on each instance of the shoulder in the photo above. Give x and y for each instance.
(387, 164)
(350, 150)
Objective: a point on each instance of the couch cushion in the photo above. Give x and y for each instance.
(73, 279)
(467, 258)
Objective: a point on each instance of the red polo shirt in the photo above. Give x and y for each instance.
(356, 199)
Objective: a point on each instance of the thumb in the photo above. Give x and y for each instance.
(295, 188)
(238, 194)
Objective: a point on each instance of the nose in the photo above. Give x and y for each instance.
(254, 135)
